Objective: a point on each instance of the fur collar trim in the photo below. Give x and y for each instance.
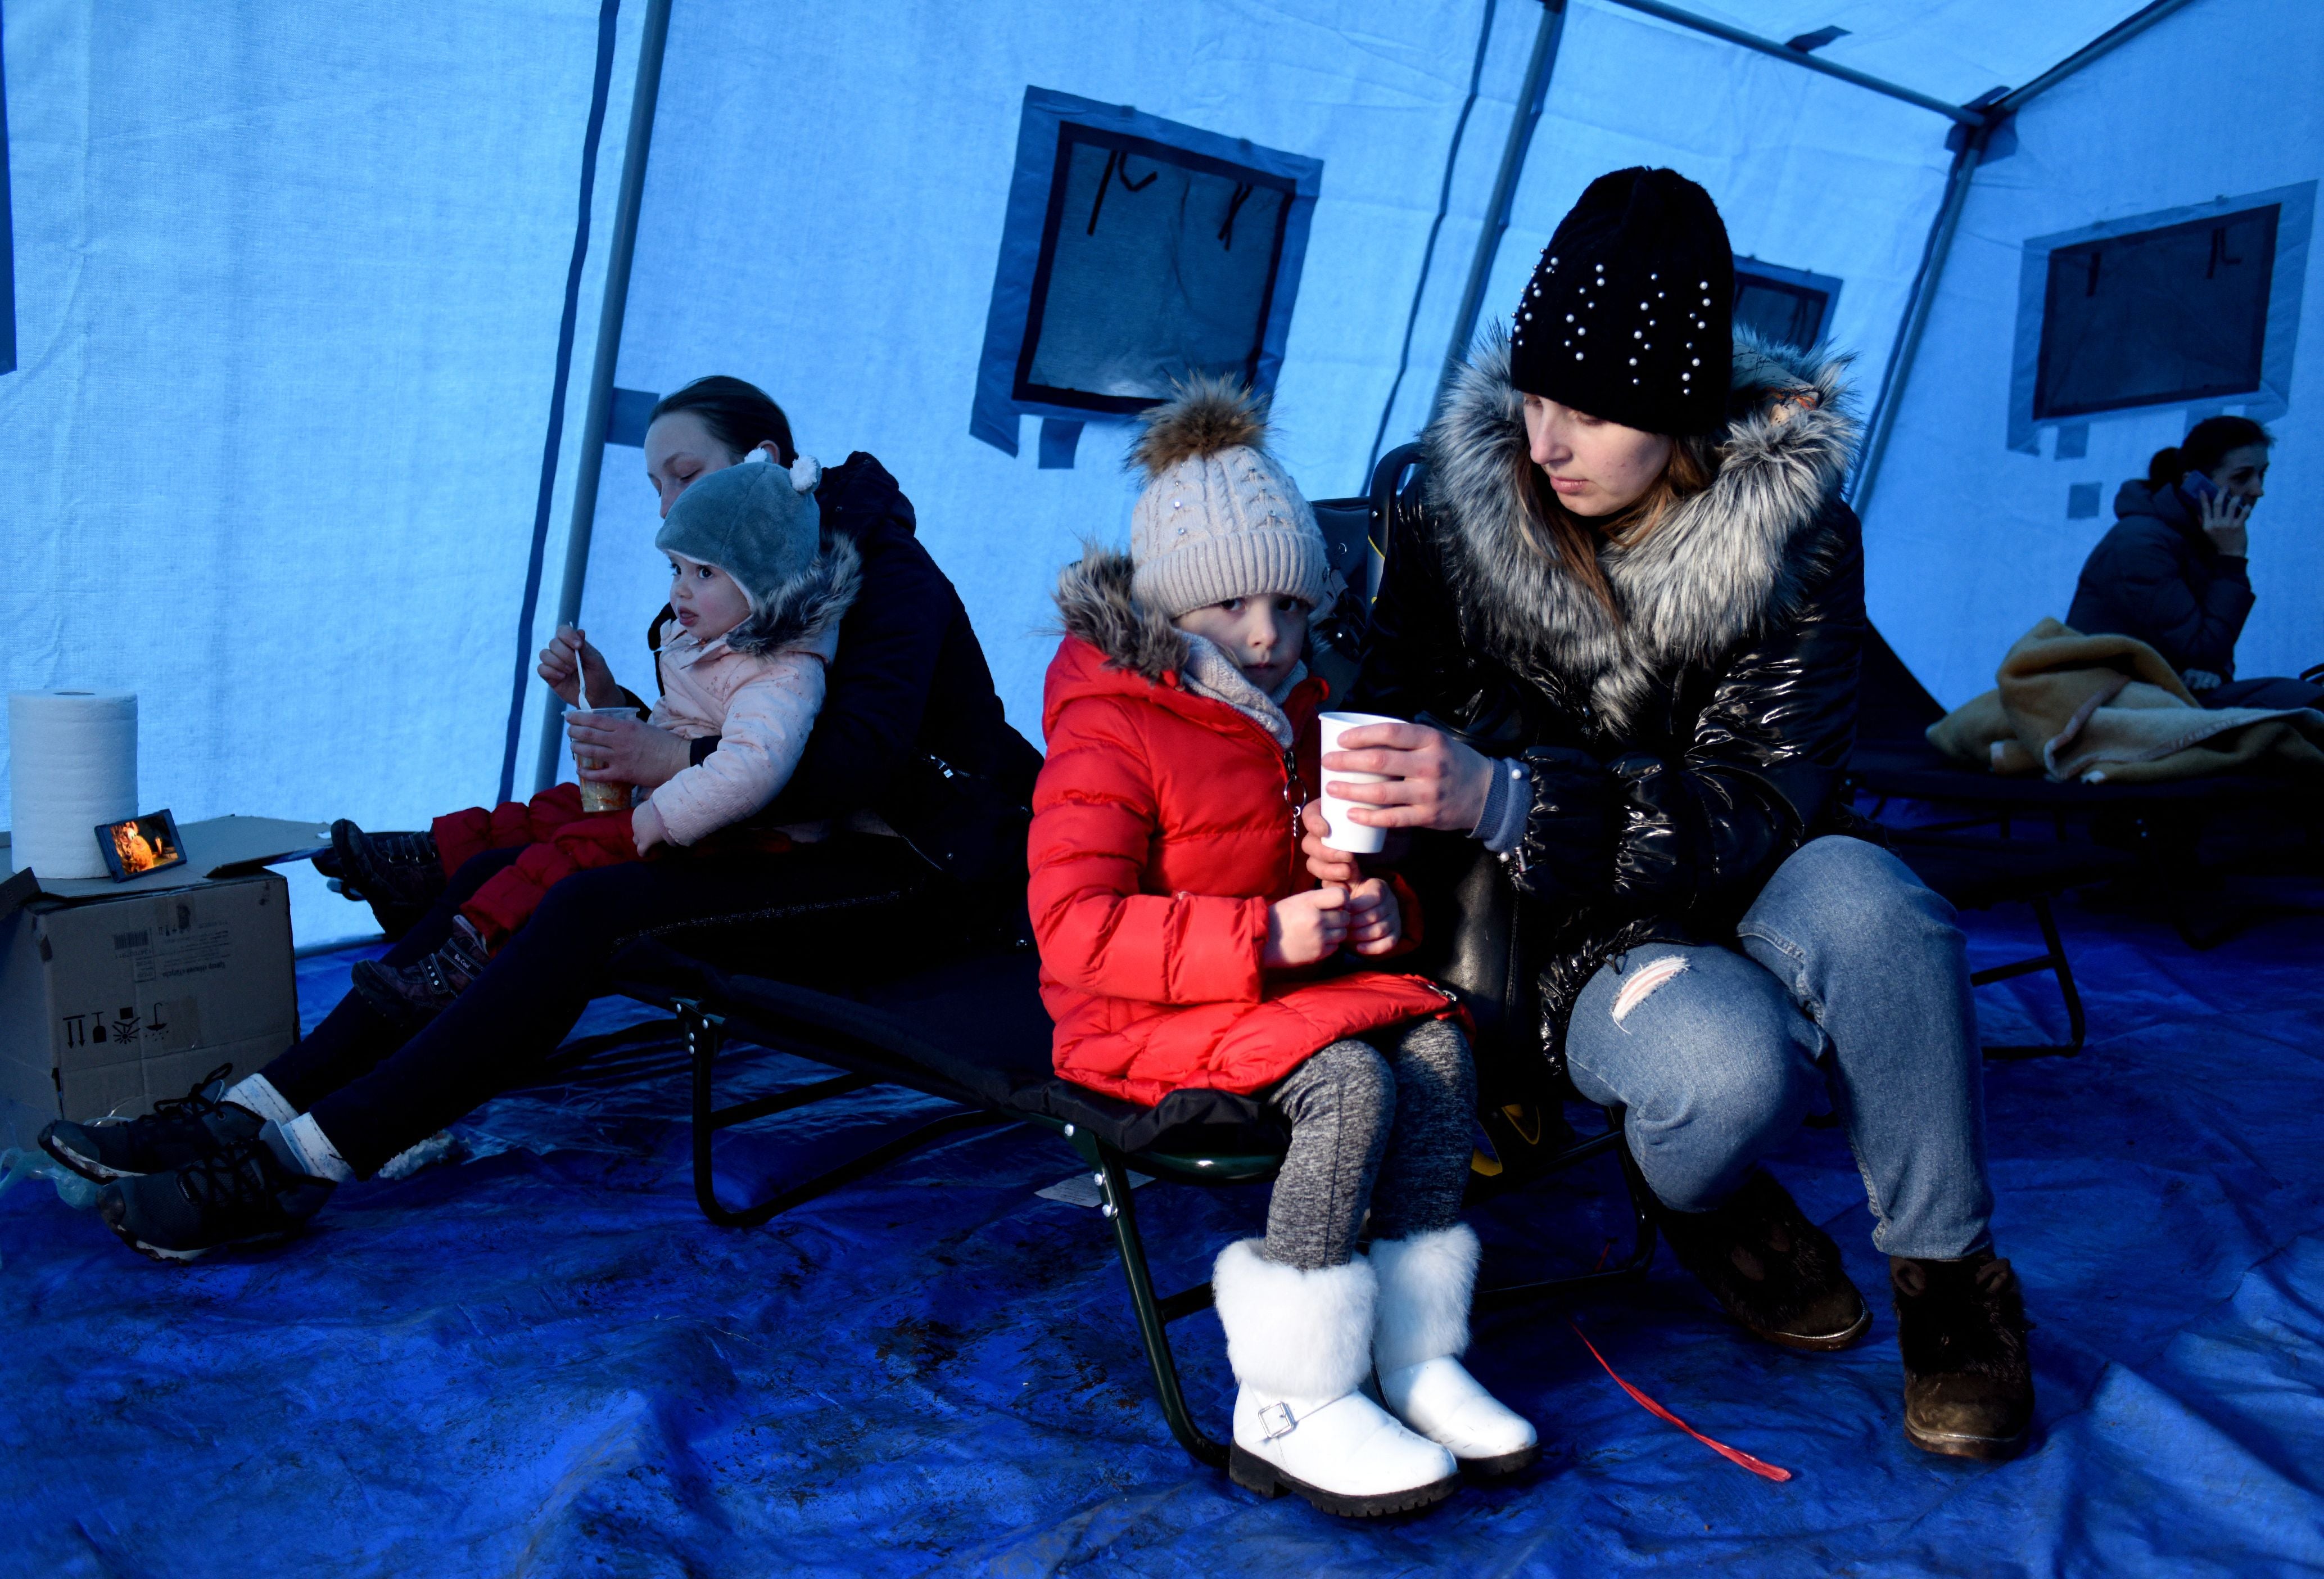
(1097, 606)
(1095, 601)
(811, 605)
(1725, 563)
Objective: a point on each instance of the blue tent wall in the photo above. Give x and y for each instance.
(288, 282)
(287, 289)
(1967, 541)
(833, 238)
(1844, 192)
(828, 230)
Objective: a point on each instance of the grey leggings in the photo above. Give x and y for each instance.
(1386, 1128)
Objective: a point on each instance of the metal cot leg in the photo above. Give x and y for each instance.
(1643, 1235)
(1113, 1178)
(2053, 960)
(703, 1035)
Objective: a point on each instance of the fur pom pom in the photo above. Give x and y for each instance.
(1207, 414)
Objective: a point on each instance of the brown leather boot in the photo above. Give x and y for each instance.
(413, 994)
(1776, 1274)
(1969, 1388)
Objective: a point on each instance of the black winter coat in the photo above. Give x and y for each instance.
(2158, 576)
(911, 727)
(1678, 755)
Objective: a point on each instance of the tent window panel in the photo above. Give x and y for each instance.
(1154, 263)
(1137, 251)
(2157, 317)
(1786, 307)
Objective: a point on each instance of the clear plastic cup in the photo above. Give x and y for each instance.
(1341, 832)
(595, 797)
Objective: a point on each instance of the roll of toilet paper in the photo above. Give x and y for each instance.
(72, 764)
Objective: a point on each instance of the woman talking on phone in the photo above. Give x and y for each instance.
(1626, 623)
(2175, 571)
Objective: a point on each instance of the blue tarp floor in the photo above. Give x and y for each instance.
(543, 1360)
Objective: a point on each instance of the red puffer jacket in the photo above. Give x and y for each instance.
(1162, 830)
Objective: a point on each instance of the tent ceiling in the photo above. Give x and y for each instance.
(1951, 50)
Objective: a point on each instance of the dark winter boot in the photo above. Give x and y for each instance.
(179, 1130)
(1968, 1389)
(413, 994)
(248, 1192)
(400, 874)
(1774, 1273)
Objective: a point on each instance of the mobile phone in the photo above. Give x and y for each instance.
(2198, 487)
(139, 844)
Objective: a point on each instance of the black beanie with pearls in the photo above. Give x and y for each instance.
(1629, 315)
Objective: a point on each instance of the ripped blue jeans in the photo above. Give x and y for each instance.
(1851, 974)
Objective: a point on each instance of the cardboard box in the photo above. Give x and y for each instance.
(114, 995)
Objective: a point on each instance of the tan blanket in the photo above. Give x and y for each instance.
(2107, 710)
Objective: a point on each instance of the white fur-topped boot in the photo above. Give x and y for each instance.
(1300, 1345)
(1426, 1282)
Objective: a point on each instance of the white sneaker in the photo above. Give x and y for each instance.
(1425, 1281)
(1441, 1401)
(1300, 1344)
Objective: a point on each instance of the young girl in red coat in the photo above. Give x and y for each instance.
(1183, 945)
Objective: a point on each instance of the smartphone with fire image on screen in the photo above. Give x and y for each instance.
(140, 844)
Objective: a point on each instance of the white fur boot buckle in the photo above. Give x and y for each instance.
(1346, 1455)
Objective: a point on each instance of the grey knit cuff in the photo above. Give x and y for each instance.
(1206, 570)
(1507, 802)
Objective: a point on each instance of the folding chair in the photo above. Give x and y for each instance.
(973, 1032)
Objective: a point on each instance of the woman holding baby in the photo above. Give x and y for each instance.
(839, 660)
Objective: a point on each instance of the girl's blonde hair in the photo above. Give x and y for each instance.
(1572, 540)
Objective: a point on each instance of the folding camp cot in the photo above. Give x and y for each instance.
(970, 1030)
(2149, 832)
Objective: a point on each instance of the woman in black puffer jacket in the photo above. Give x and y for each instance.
(1627, 623)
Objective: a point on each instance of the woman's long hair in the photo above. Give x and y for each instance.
(1572, 540)
(2204, 448)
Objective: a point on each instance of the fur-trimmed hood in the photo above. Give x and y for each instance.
(1137, 647)
(1720, 566)
(812, 603)
(1094, 604)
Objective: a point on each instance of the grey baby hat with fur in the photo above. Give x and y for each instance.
(757, 522)
(1220, 518)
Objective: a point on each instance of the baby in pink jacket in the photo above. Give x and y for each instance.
(759, 702)
(758, 598)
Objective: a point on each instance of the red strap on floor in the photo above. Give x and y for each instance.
(1756, 1466)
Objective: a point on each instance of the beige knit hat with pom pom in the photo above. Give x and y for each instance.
(1220, 518)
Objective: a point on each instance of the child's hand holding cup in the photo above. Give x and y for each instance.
(597, 796)
(1342, 833)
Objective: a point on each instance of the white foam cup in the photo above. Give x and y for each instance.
(595, 797)
(1340, 832)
